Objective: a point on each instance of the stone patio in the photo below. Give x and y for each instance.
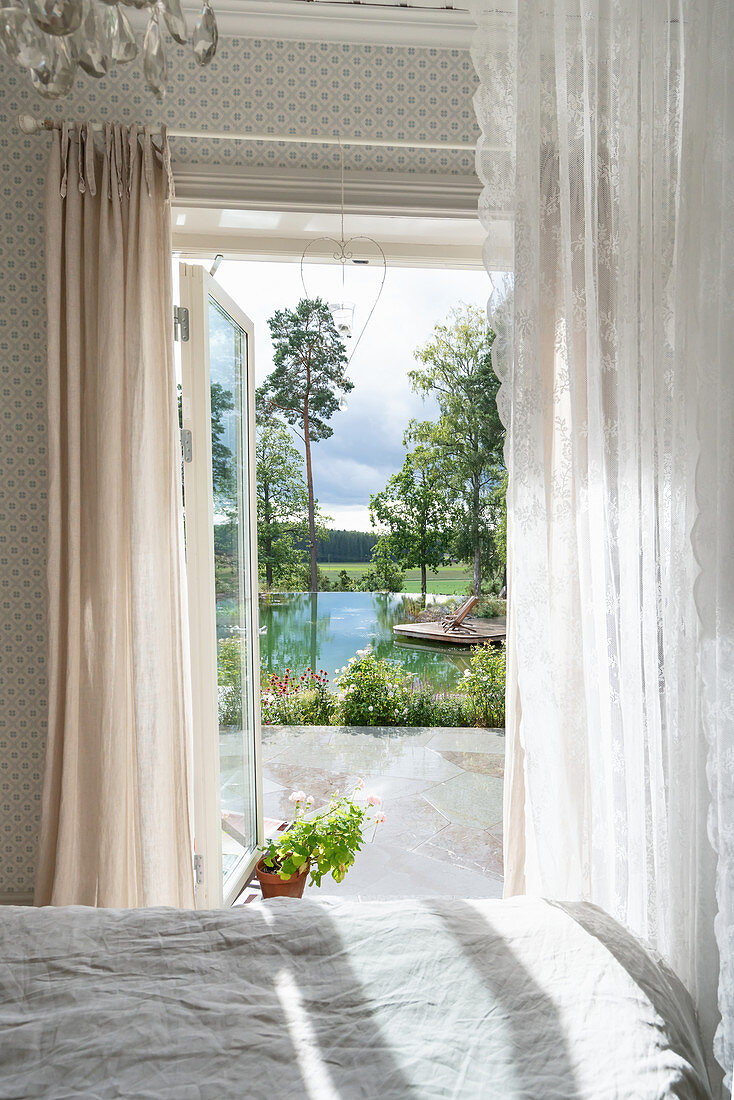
(442, 797)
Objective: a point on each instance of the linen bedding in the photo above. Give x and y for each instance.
(289, 999)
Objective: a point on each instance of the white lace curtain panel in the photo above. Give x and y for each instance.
(607, 155)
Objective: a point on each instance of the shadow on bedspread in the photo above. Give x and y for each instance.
(285, 1000)
(655, 979)
(171, 1005)
(344, 1001)
(534, 1026)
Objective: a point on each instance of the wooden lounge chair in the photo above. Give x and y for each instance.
(453, 623)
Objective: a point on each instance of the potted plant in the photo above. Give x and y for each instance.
(324, 843)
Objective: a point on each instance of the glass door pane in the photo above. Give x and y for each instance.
(218, 419)
(228, 348)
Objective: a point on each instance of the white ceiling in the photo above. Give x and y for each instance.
(433, 5)
(419, 23)
(273, 235)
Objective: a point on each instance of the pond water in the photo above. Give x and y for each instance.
(325, 629)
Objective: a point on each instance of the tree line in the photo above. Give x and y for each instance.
(446, 503)
(346, 546)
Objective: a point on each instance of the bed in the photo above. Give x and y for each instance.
(318, 999)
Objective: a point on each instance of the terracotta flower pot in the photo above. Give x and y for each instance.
(273, 886)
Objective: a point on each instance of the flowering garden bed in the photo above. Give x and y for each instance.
(369, 691)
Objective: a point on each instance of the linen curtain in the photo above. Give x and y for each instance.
(607, 156)
(115, 827)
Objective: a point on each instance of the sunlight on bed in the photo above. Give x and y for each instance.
(314, 1072)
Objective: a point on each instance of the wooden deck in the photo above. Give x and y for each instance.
(476, 632)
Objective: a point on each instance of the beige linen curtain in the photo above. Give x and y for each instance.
(116, 828)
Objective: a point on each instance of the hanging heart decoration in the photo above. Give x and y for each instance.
(343, 252)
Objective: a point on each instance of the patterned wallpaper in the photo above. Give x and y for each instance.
(291, 87)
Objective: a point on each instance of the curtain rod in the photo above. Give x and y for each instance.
(30, 125)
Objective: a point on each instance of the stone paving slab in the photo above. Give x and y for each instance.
(442, 797)
(470, 799)
(467, 740)
(410, 821)
(473, 849)
(383, 871)
(488, 763)
(402, 760)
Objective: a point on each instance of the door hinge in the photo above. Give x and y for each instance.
(186, 444)
(180, 323)
(198, 870)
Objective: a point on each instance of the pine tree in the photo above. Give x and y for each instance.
(306, 385)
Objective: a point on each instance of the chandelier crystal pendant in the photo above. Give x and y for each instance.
(52, 39)
(345, 252)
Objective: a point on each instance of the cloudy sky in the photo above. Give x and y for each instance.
(367, 444)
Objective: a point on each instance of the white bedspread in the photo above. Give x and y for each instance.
(293, 999)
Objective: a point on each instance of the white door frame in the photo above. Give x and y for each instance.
(195, 289)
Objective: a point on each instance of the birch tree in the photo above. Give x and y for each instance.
(468, 437)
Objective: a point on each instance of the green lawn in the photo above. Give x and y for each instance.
(449, 580)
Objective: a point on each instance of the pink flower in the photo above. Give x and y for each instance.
(297, 796)
(359, 784)
(374, 799)
(379, 818)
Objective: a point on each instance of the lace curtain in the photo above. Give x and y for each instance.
(607, 158)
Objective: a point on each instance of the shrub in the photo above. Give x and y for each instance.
(453, 710)
(384, 574)
(230, 706)
(225, 574)
(427, 709)
(484, 684)
(372, 691)
(318, 707)
(229, 681)
(421, 707)
(303, 700)
(296, 577)
(490, 607)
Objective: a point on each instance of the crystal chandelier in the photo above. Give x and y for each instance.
(49, 39)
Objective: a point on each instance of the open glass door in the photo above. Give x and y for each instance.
(217, 407)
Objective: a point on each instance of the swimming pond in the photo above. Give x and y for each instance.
(325, 629)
